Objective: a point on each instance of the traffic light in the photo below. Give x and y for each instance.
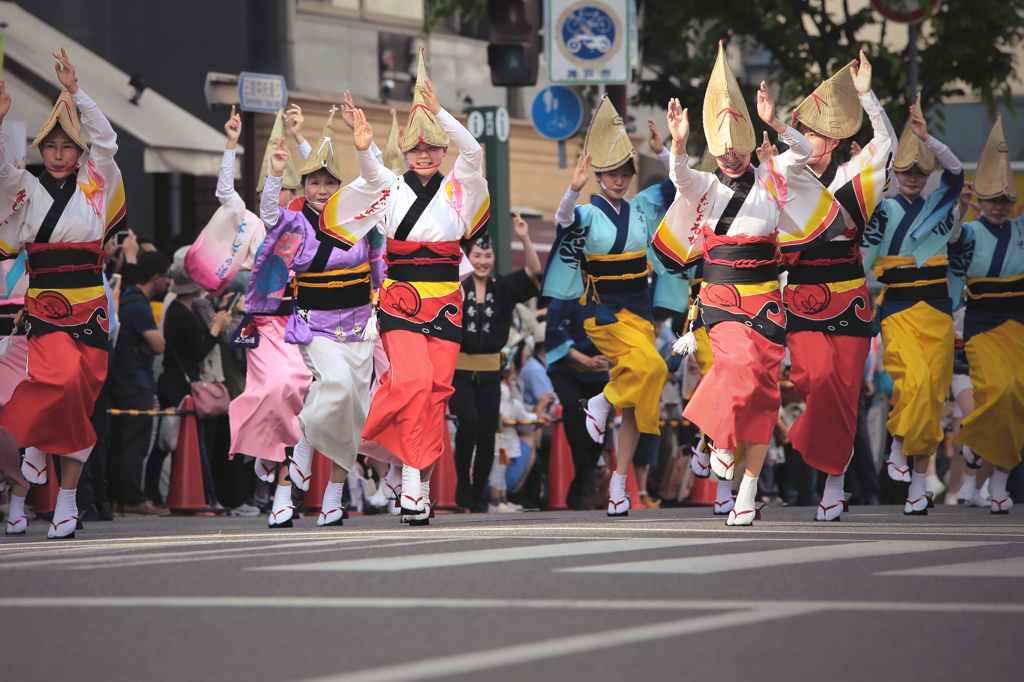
(514, 47)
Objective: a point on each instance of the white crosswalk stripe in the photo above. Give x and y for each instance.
(775, 557)
(490, 556)
(996, 568)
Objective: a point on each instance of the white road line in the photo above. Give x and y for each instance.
(386, 603)
(488, 556)
(996, 568)
(519, 654)
(776, 557)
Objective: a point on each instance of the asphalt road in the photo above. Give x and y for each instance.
(666, 594)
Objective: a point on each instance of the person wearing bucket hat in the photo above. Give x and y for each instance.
(828, 316)
(994, 319)
(62, 219)
(424, 215)
(738, 219)
(911, 241)
(609, 239)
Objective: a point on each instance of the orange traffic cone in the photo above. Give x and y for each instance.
(704, 491)
(320, 476)
(186, 494)
(46, 495)
(560, 467)
(443, 480)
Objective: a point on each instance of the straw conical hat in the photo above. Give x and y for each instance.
(322, 155)
(912, 150)
(423, 125)
(727, 125)
(607, 139)
(833, 109)
(66, 114)
(392, 152)
(707, 162)
(291, 176)
(994, 177)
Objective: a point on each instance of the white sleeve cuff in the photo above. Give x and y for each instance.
(305, 149)
(269, 213)
(945, 156)
(566, 213)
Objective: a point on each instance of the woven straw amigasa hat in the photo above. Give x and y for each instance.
(291, 176)
(994, 177)
(423, 125)
(64, 113)
(833, 109)
(727, 125)
(323, 155)
(912, 150)
(607, 140)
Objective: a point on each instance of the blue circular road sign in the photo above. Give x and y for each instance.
(557, 112)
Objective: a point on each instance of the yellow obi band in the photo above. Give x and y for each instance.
(334, 289)
(616, 273)
(479, 362)
(905, 282)
(995, 295)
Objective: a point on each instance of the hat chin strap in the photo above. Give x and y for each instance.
(69, 171)
(617, 195)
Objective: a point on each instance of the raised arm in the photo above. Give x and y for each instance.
(101, 133)
(471, 154)
(226, 177)
(269, 202)
(371, 167)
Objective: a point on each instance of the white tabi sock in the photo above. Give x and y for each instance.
(34, 466)
(332, 496)
(412, 489)
(723, 492)
(833, 489)
(17, 522)
(597, 417)
(747, 492)
(966, 491)
(265, 469)
(918, 485)
(896, 455)
(394, 477)
(425, 490)
(283, 508)
(65, 514)
(617, 487)
(997, 485)
(300, 470)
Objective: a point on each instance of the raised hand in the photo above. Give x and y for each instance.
(918, 124)
(65, 71)
(678, 126)
(766, 109)
(295, 119)
(654, 138)
(233, 128)
(348, 110)
(279, 159)
(966, 194)
(862, 75)
(855, 148)
(582, 174)
(5, 100)
(767, 151)
(362, 133)
(430, 97)
(521, 227)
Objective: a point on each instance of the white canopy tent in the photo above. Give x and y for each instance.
(175, 140)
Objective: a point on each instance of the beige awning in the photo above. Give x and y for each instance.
(175, 140)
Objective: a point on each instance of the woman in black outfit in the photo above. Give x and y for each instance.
(486, 320)
(189, 341)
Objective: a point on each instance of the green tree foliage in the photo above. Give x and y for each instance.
(964, 48)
